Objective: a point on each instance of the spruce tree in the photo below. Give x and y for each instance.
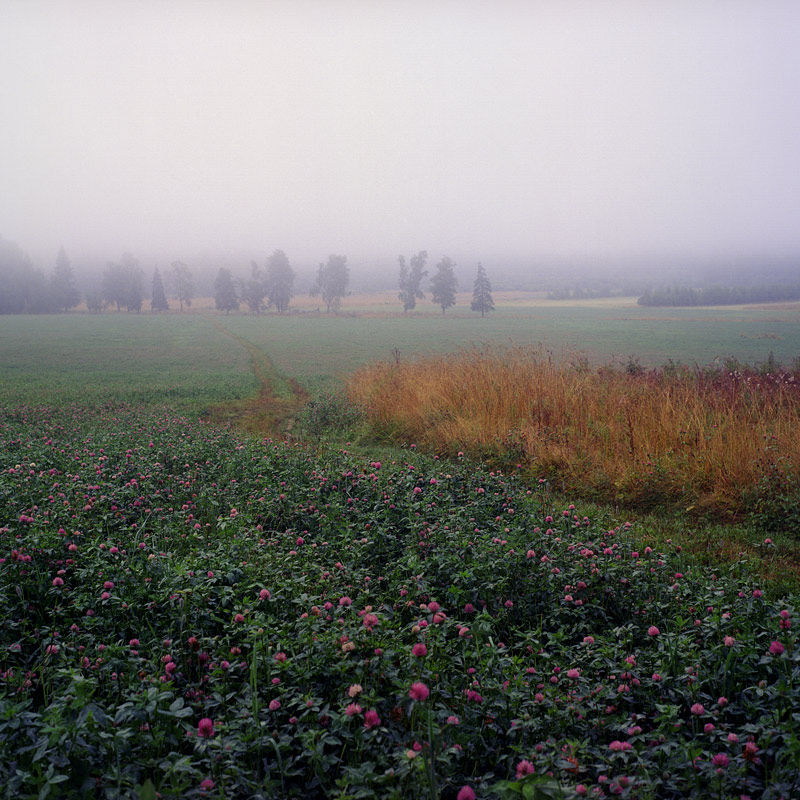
(482, 292)
(158, 299)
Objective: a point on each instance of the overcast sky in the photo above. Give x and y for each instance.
(492, 130)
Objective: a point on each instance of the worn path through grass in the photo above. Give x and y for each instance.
(274, 408)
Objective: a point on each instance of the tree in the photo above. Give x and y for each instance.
(331, 282)
(182, 283)
(158, 299)
(279, 280)
(94, 301)
(482, 293)
(22, 288)
(411, 279)
(253, 289)
(225, 292)
(444, 284)
(122, 283)
(62, 283)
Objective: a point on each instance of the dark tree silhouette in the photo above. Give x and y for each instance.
(158, 299)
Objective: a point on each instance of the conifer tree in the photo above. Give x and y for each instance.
(482, 292)
(158, 299)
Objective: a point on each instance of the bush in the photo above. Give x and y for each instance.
(330, 413)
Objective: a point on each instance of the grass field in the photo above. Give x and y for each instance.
(188, 611)
(187, 357)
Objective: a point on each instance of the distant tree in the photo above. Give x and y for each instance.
(158, 299)
(123, 283)
(482, 292)
(17, 279)
(253, 289)
(62, 283)
(225, 292)
(410, 279)
(182, 283)
(444, 284)
(331, 282)
(279, 280)
(94, 301)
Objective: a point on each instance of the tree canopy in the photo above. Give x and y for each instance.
(410, 279)
(182, 282)
(331, 282)
(279, 280)
(225, 297)
(444, 284)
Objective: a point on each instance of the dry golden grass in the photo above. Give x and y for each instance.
(650, 438)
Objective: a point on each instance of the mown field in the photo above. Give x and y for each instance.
(195, 612)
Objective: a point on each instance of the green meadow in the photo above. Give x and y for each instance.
(196, 358)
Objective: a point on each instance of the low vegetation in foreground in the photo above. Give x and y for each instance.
(190, 613)
(719, 440)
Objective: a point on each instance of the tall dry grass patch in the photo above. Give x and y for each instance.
(688, 435)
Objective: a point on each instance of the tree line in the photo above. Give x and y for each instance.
(25, 289)
(443, 286)
(719, 295)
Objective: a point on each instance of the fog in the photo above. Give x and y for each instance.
(523, 134)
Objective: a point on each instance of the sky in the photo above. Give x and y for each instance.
(495, 131)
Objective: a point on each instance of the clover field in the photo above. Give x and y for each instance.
(185, 613)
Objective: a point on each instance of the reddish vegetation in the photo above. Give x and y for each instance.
(668, 435)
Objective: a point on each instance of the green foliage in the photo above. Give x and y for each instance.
(330, 413)
(180, 608)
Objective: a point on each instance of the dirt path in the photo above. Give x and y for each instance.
(273, 410)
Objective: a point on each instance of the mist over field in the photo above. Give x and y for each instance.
(546, 139)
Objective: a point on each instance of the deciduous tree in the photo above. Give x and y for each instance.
(331, 282)
(180, 277)
(444, 284)
(253, 289)
(410, 279)
(62, 283)
(279, 280)
(225, 292)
